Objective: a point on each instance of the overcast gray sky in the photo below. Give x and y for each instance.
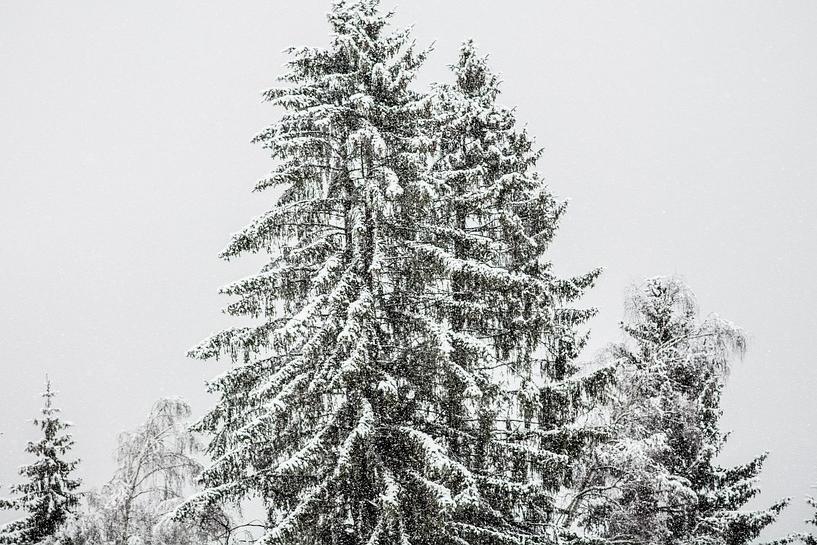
(684, 134)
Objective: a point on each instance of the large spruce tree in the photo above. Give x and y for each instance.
(320, 416)
(408, 327)
(667, 486)
(49, 494)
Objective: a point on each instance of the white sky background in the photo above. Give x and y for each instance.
(684, 133)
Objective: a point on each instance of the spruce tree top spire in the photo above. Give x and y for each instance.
(473, 76)
(353, 16)
(49, 495)
(49, 395)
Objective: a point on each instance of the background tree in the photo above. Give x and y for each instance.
(666, 484)
(48, 497)
(156, 467)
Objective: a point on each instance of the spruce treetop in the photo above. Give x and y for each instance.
(48, 496)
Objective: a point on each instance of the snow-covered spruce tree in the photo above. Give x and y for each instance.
(321, 417)
(508, 393)
(666, 485)
(342, 413)
(48, 496)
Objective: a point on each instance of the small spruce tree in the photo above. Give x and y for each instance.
(322, 416)
(49, 495)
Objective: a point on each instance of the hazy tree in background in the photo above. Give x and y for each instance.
(666, 486)
(156, 467)
(48, 497)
